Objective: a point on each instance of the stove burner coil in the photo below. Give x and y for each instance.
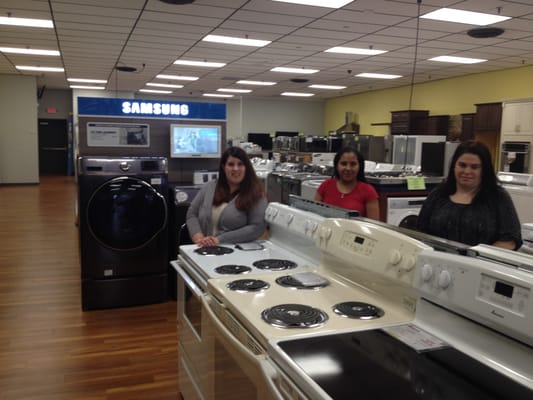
(232, 269)
(294, 316)
(274, 264)
(248, 285)
(293, 282)
(213, 250)
(358, 310)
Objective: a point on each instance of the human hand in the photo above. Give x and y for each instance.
(208, 241)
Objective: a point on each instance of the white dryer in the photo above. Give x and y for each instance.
(403, 211)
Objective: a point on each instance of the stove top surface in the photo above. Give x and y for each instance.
(320, 294)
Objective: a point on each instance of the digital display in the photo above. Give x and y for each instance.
(359, 240)
(195, 141)
(504, 289)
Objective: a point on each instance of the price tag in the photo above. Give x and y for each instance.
(416, 183)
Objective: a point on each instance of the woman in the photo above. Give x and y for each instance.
(348, 187)
(230, 209)
(470, 206)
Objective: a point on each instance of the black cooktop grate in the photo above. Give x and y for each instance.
(294, 316)
(232, 269)
(248, 285)
(358, 310)
(274, 264)
(213, 250)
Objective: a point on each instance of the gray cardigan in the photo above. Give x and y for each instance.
(234, 226)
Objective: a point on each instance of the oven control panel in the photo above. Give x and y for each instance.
(495, 294)
(361, 245)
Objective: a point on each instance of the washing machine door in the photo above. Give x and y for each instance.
(126, 213)
(409, 220)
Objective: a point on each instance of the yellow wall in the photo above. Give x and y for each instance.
(443, 97)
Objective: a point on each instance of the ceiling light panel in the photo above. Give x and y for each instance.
(457, 60)
(377, 76)
(319, 3)
(164, 85)
(256, 83)
(218, 95)
(464, 17)
(82, 80)
(234, 90)
(177, 77)
(30, 22)
(87, 87)
(200, 63)
(236, 41)
(297, 94)
(36, 52)
(155, 91)
(36, 68)
(295, 70)
(327, 87)
(354, 50)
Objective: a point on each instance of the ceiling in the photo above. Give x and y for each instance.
(94, 36)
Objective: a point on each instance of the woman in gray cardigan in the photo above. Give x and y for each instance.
(230, 209)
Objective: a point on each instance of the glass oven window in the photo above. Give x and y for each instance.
(193, 310)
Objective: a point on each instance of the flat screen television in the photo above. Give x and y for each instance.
(195, 141)
(261, 139)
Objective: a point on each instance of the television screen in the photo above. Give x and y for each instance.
(261, 139)
(195, 141)
(287, 133)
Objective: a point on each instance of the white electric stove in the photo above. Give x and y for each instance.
(363, 281)
(471, 339)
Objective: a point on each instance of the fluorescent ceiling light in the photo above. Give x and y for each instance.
(297, 94)
(354, 50)
(35, 52)
(235, 40)
(34, 23)
(86, 80)
(87, 87)
(44, 69)
(458, 60)
(217, 95)
(258, 83)
(167, 85)
(377, 76)
(295, 70)
(234, 90)
(155, 91)
(178, 77)
(200, 63)
(319, 3)
(464, 17)
(332, 87)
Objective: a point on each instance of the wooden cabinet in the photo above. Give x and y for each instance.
(409, 122)
(437, 125)
(487, 125)
(488, 117)
(467, 127)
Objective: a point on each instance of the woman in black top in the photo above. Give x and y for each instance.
(470, 206)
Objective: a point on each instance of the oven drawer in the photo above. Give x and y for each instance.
(186, 380)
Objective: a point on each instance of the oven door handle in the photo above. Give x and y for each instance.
(190, 282)
(259, 360)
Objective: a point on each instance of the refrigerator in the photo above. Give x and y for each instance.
(407, 149)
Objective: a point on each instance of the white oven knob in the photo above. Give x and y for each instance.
(290, 217)
(395, 257)
(445, 279)
(325, 233)
(312, 226)
(409, 263)
(427, 272)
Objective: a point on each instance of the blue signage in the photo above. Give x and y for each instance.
(150, 108)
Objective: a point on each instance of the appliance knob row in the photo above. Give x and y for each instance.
(444, 278)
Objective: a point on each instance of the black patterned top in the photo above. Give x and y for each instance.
(480, 222)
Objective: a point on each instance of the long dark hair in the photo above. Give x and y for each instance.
(360, 159)
(489, 181)
(250, 190)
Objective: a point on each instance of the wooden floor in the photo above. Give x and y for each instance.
(49, 348)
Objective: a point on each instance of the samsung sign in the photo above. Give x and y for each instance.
(150, 109)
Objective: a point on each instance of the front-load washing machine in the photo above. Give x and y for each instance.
(403, 211)
(123, 230)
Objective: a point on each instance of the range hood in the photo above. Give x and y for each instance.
(349, 126)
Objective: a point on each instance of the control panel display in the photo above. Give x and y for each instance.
(504, 289)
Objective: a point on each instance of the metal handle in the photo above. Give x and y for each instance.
(190, 282)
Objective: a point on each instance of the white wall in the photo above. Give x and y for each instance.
(19, 140)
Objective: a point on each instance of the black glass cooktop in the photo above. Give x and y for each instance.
(374, 365)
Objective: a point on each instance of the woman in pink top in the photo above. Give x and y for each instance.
(348, 187)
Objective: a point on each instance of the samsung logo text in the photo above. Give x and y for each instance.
(145, 108)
